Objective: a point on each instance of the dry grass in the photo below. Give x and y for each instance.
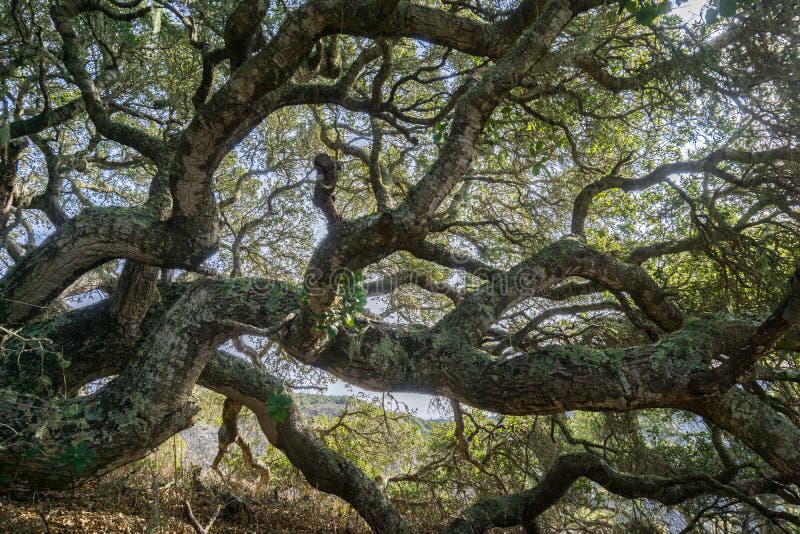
(120, 503)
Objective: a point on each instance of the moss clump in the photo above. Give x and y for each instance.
(580, 356)
(389, 349)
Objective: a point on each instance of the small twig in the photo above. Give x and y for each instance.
(41, 515)
(198, 527)
(242, 328)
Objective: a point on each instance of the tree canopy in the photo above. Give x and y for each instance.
(574, 209)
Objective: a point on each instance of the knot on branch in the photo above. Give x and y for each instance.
(327, 176)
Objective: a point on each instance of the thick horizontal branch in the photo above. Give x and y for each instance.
(387, 358)
(90, 239)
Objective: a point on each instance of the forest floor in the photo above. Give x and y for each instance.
(119, 505)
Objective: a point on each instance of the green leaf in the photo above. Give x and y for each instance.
(439, 132)
(332, 331)
(278, 405)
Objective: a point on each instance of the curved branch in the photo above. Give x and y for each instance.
(562, 259)
(390, 283)
(763, 340)
(524, 508)
(237, 106)
(549, 380)
(478, 103)
(757, 424)
(583, 201)
(322, 467)
(46, 119)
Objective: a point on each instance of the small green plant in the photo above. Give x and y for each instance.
(78, 457)
(278, 405)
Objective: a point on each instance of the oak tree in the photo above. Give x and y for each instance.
(531, 207)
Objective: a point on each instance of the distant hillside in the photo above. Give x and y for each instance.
(315, 405)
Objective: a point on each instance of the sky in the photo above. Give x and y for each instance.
(689, 11)
(420, 405)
